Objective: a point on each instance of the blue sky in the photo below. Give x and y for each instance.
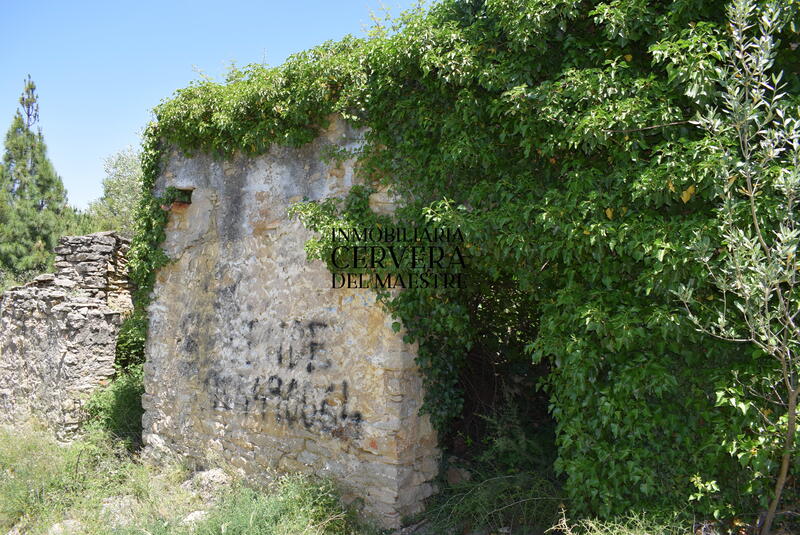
(100, 67)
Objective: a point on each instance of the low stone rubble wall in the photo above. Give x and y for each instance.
(58, 333)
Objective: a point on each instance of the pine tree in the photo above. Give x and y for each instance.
(32, 196)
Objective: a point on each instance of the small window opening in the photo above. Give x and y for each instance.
(184, 196)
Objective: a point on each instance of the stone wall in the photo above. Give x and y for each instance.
(253, 358)
(58, 333)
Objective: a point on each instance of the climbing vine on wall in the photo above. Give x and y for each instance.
(557, 134)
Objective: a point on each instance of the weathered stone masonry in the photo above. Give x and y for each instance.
(58, 333)
(253, 358)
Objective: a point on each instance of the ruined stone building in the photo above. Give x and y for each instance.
(58, 333)
(253, 358)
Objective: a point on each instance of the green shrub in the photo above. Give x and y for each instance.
(524, 502)
(513, 445)
(10, 279)
(294, 505)
(511, 484)
(117, 408)
(131, 339)
(297, 505)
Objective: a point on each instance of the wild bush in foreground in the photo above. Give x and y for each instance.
(117, 408)
(754, 264)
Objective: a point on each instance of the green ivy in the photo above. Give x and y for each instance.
(557, 135)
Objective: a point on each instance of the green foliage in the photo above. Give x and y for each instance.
(512, 446)
(10, 278)
(145, 256)
(131, 340)
(524, 502)
(45, 483)
(511, 488)
(754, 264)
(42, 479)
(122, 190)
(557, 135)
(295, 505)
(32, 197)
(117, 408)
(116, 208)
(259, 106)
(75, 222)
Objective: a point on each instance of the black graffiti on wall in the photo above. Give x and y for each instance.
(300, 346)
(289, 392)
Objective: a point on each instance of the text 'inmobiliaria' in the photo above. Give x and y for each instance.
(397, 257)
